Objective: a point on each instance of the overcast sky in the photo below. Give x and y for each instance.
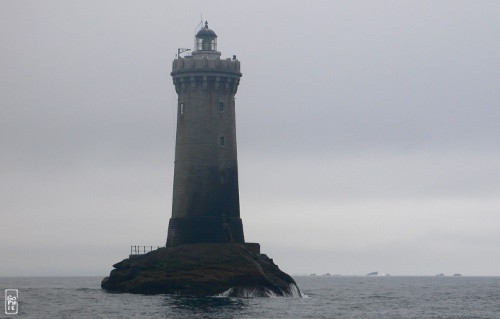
(368, 132)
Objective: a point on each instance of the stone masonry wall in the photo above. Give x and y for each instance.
(205, 198)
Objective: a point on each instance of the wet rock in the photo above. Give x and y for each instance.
(228, 269)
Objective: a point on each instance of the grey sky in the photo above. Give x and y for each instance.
(367, 131)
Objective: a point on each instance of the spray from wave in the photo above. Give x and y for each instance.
(292, 292)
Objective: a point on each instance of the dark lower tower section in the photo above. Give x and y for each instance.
(205, 205)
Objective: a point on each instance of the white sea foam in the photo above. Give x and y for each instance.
(240, 293)
(248, 293)
(226, 293)
(293, 292)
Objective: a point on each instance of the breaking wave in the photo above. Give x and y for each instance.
(293, 292)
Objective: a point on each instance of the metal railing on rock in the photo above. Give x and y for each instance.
(141, 250)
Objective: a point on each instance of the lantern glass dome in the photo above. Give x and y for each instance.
(206, 39)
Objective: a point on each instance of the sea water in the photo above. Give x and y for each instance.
(325, 297)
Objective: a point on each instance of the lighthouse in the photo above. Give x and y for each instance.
(206, 253)
(205, 203)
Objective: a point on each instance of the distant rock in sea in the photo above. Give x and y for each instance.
(377, 274)
(440, 275)
(457, 275)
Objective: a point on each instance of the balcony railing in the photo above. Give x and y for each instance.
(141, 250)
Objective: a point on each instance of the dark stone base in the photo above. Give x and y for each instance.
(204, 230)
(201, 270)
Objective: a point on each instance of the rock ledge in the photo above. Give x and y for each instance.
(228, 269)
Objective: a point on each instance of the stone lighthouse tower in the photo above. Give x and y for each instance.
(205, 206)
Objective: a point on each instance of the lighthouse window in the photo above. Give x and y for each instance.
(182, 108)
(221, 140)
(221, 106)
